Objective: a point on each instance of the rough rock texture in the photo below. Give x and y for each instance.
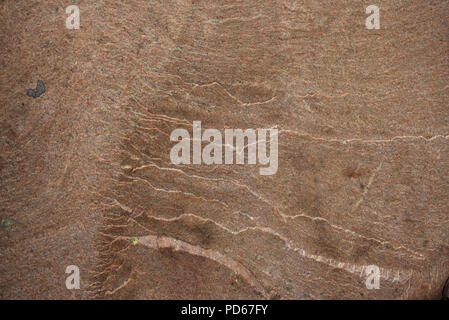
(363, 173)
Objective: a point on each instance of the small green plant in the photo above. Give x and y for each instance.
(135, 241)
(289, 286)
(6, 223)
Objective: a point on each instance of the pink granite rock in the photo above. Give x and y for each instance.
(363, 166)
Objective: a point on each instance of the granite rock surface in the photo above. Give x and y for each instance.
(86, 177)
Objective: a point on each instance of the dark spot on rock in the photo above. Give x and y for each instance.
(274, 295)
(30, 93)
(446, 290)
(355, 171)
(167, 251)
(351, 172)
(203, 233)
(36, 93)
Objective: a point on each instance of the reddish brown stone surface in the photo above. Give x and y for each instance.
(363, 174)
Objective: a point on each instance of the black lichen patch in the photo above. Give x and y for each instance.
(36, 93)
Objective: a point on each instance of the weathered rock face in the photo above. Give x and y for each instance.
(363, 174)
